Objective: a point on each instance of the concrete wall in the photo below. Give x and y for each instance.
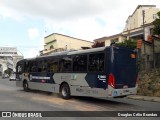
(148, 59)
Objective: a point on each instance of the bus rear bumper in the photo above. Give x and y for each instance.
(123, 92)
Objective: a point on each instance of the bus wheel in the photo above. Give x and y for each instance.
(25, 86)
(65, 91)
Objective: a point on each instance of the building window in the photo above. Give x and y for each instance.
(114, 40)
(154, 16)
(51, 47)
(151, 31)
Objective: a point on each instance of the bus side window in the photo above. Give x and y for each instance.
(80, 63)
(45, 66)
(65, 64)
(39, 66)
(75, 63)
(20, 67)
(96, 62)
(30, 66)
(26, 66)
(53, 66)
(34, 67)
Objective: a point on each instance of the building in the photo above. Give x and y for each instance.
(150, 53)
(8, 58)
(111, 39)
(149, 12)
(135, 28)
(58, 42)
(143, 15)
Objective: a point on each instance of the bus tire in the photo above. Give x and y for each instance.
(65, 91)
(25, 86)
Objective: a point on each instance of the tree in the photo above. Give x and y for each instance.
(156, 23)
(127, 43)
(98, 44)
(8, 71)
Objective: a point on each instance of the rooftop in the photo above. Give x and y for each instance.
(67, 36)
(107, 37)
(138, 8)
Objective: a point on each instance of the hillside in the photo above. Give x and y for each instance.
(149, 83)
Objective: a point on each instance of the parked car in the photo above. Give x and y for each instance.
(5, 76)
(12, 77)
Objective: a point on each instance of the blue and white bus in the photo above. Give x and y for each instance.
(97, 72)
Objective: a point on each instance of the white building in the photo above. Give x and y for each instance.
(8, 58)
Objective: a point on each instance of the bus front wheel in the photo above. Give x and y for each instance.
(25, 86)
(65, 91)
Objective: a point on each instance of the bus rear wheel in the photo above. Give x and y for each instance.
(25, 86)
(65, 91)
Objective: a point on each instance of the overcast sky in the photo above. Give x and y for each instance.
(25, 23)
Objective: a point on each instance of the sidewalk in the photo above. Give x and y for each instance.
(145, 98)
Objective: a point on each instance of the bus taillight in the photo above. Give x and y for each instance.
(111, 80)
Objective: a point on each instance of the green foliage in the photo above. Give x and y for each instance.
(8, 71)
(127, 43)
(156, 23)
(98, 44)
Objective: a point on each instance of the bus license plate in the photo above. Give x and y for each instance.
(125, 91)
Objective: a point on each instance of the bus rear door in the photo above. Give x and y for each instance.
(123, 74)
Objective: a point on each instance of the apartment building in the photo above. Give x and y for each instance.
(8, 58)
(59, 42)
(141, 18)
(136, 19)
(135, 27)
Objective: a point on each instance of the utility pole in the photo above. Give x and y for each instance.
(153, 48)
(143, 15)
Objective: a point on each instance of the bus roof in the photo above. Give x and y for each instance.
(69, 53)
(87, 51)
(53, 54)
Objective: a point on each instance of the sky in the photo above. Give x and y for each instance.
(25, 23)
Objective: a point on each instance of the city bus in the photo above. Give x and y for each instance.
(97, 72)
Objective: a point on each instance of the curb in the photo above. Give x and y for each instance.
(144, 98)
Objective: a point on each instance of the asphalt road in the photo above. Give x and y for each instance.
(13, 98)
